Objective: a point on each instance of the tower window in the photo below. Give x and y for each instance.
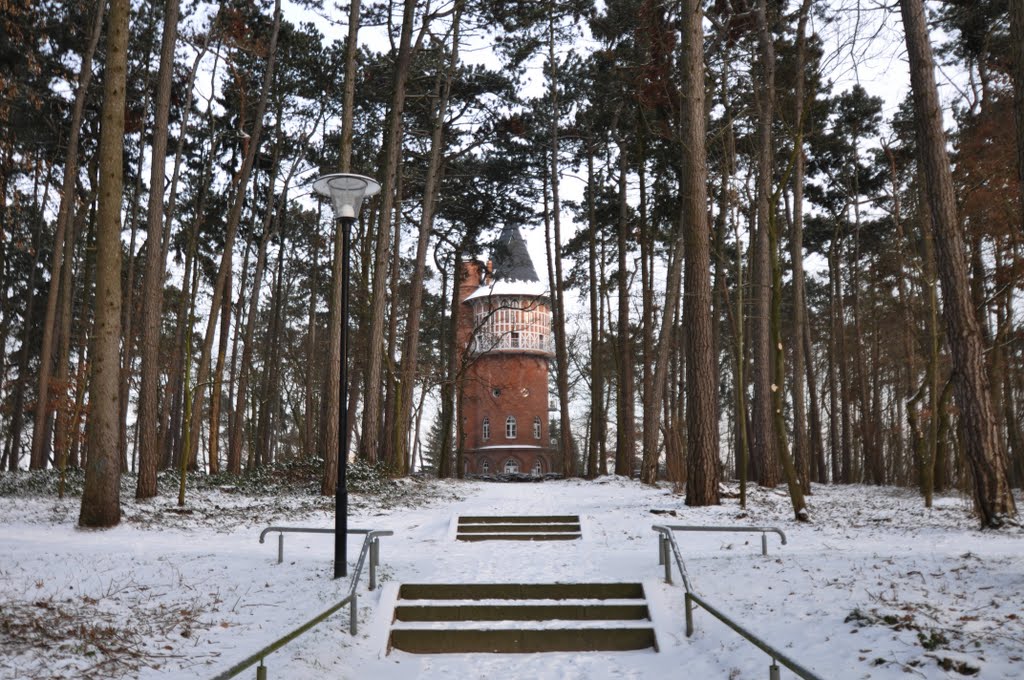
(510, 428)
(511, 466)
(485, 467)
(514, 339)
(487, 429)
(537, 469)
(536, 427)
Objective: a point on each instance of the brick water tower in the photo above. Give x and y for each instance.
(505, 333)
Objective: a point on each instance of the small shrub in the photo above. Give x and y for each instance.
(932, 640)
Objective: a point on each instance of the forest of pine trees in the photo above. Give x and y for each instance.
(754, 274)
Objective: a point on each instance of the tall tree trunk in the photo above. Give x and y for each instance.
(566, 444)
(216, 384)
(332, 386)
(171, 408)
(701, 390)
(62, 415)
(734, 313)
(392, 156)
(171, 413)
(233, 219)
(982, 446)
(241, 397)
(348, 104)
(129, 303)
(101, 497)
(604, 308)
(153, 278)
(309, 393)
(67, 437)
(431, 190)
(625, 444)
(452, 368)
(271, 348)
(910, 370)
(686, 230)
(815, 411)
(767, 212)
(841, 358)
(652, 394)
(12, 448)
(785, 461)
(868, 427)
(674, 415)
(597, 415)
(37, 458)
(801, 443)
(834, 383)
(931, 452)
(330, 437)
(388, 432)
(765, 455)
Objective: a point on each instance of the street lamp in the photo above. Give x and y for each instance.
(346, 193)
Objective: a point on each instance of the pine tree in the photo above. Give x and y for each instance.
(101, 498)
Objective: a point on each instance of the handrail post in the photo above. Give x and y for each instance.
(661, 549)
(280, 547)
(689, 615)
(261, 671)
(353, 610)
(764, 544)
(374, 556)
(773, 671)
(668, 561)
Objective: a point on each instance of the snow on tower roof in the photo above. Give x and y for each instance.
(512, 269)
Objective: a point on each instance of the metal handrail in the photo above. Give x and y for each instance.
(300, 530)
(776, 655)
(370, 546)
(764, 532)
(666, 541)
(667, 547)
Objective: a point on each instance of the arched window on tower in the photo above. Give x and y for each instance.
(510, 427)
(486, 429)
(537, 469)
(485, 467)
(536, 427)
(511, 466)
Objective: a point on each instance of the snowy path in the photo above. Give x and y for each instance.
(617, 544)
(877, 587)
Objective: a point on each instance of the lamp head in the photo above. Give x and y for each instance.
(346, 192)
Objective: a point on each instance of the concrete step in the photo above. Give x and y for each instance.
(519, 611)
(519, 528)
(520, 591)
(511, 618)
(521, 640)
(518, 537)
(518, 519)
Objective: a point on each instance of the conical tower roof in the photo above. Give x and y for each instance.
(512, 269)
(510, 258)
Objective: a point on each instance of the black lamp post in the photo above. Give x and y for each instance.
(346, 193)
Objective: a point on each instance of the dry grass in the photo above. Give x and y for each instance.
(112, 636)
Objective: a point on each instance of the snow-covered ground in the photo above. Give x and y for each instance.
(875, 587)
